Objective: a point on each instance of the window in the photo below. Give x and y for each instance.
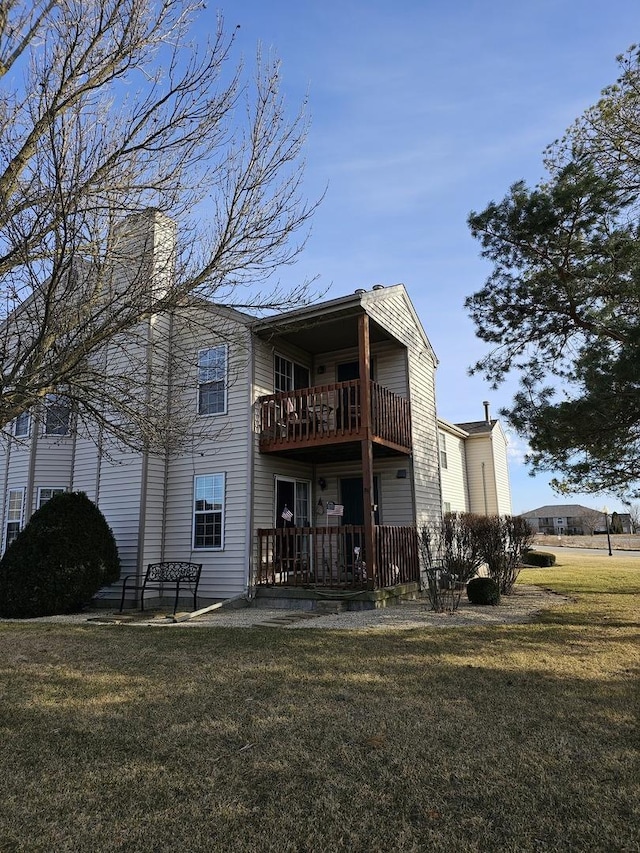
(442, 444)
(22, 425)
(293, 495)
(57, 415)
(14, 515)
(288, 375)
(45, 495)
(208, 521)
(212, 380)
(446, 506)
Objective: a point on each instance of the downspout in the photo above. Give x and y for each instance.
(251, 451)
(3, 500)
(484, 490)
(28, 498)
(165, 473)
(144, 473)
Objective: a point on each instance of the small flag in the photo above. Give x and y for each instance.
(287, 514)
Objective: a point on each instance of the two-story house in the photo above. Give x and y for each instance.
(312, 456)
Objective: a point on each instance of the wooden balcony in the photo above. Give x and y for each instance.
(329, 415)
(334, 557)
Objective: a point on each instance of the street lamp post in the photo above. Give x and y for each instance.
(605, 510)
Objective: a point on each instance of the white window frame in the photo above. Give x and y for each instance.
(442, 449)
(23, 417)
(288, 374)
(54, 490)
(299, 485)
(208, 375)
(198, 482)
(13, 515)
(61, 402)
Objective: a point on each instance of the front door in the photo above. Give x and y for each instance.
(352, 498)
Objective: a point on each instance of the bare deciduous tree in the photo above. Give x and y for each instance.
(108, 109)
(592, 520)
(634, 516)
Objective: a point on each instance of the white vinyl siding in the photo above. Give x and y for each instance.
(501, 471)
(453, 478)
(391, 309)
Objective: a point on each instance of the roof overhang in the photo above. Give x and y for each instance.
(320, 328)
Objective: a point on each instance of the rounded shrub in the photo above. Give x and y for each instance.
(58, 562)
(483, 591)
(539, 558)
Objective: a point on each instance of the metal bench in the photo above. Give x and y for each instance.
(159, 574)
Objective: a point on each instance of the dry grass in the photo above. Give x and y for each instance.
(503, 738)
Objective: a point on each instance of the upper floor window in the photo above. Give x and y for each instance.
(208, 520)
(442, 444)
(57, 415)
(288, 375)
(212, 380)
(22, 425)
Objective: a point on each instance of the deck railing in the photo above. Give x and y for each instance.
(335, 557)
(330, 413)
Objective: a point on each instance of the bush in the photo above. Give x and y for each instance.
(539, 558)
(452, 544)
(502, 541)
(58, 562)
(483, 591)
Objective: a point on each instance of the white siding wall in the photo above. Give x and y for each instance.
(14, 462)
(480, 475)
(118, 497)
(454, 476)
(219, 444)
(501, 471)
(391, 309)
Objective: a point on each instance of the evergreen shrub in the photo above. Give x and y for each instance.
(483, 591)
(58, 562)
(539, 558)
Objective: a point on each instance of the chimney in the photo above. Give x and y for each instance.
(487, 416)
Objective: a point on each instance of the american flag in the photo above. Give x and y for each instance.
(286, 513)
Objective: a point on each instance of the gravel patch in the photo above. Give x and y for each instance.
(522, 606)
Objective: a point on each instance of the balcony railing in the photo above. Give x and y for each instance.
(332, 413)
(335, 557)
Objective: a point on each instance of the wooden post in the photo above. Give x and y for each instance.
(366, 447)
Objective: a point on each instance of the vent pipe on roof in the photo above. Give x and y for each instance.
(487, 416)
(359, 291)
(378, 287)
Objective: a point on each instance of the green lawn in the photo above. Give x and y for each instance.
(503, 738)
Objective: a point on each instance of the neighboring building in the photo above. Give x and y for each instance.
(473, 467)
(314, 458)
(572, 520)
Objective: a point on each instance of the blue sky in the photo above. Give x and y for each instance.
(421, 111)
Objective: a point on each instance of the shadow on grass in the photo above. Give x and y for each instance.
(498, 738)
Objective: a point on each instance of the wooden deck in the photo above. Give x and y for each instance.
(332, 414)
(334, 557)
